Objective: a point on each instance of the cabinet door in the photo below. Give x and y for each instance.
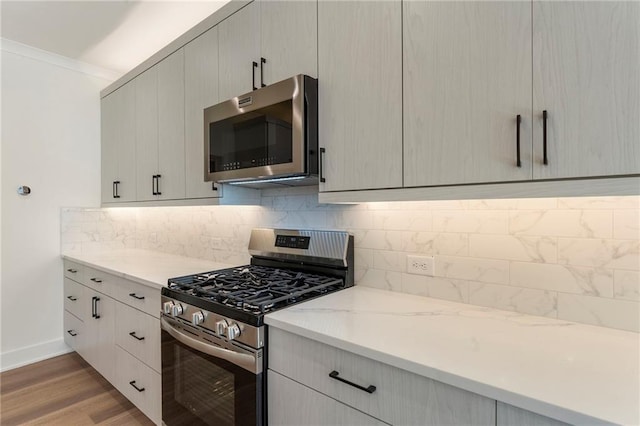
(289, 39)
(109, 146)
(201, 91)
(508, 415)
(118, 148)
(360, 94)
(171, 165)
(586, 59)
(291, 403)
(146, 104)
(239, 42)
(99, 332)
(467, 75)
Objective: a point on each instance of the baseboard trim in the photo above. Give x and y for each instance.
(30, 354)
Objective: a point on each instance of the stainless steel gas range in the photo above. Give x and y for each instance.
(214, 341)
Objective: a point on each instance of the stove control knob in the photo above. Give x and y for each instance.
(177, 310)
(167, 307)
(233, 331)
(197, 318)
(221, 327)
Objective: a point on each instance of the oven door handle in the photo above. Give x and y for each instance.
(246, 361)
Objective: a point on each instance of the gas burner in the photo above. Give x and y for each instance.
(255, 289)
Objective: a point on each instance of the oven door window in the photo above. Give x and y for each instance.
(254, 139)
(198, 389)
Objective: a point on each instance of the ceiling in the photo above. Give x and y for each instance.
(114, 35)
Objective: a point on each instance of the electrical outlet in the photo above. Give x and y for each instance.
(421, 265)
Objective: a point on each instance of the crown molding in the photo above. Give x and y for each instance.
(27, 51)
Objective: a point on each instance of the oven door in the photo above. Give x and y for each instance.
(207, 380)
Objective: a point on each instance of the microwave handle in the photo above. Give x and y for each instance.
(246, 361)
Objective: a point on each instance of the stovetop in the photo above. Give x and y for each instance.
(250, 290)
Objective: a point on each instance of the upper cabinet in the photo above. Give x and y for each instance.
(118, 148)
(586, 62)
(289, 41)
(360, 94)
(265, 42)
(492, 92)
(239, 43)
(160, 130)
(466, 80)
(200, 92)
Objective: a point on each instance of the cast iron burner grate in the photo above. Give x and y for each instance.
(255, 289)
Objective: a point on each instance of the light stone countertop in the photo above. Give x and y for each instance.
(575, 373)
(145, 266)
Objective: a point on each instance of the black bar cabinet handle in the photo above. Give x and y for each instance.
(93, 307)
(96, 280)
(262, 62)
(518, 121)
(73, 271)
(133, 383)
(135, 296)
(133, 334)
(72, 333)
(73, 299)
(117, 187)
(322, 151)
(113, 189)
(158, 185)
(96, 303)
(545, 160)
(253, 75)
(335, 375)
(153, 185)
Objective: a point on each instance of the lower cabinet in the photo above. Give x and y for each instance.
(381, 391)
(508, 415)
(291, 403)
(139, 383)
(74, 332)
(99, 333)
(113, 324)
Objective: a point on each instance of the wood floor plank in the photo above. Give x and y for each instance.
(64, 390)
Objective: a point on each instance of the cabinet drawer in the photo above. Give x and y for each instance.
(400, 397)
(139, 334)
(74, 332)
(291, 403)
(74, 271)
(100, 281)
(140, 384)
(142, 297)
(74, 301)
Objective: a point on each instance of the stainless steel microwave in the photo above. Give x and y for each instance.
(266, 137)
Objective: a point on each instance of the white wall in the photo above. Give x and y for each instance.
(50, 142)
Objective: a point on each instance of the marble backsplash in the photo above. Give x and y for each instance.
(576, 259)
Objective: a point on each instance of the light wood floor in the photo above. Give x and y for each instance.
(64, 390)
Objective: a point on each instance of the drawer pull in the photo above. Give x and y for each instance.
(133, 383)
(335, 375)
(73, 299)
(96, 280)
(133, 334)
(73, 271)
(135, 296)
(72, 333)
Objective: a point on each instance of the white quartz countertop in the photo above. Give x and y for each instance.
(575, 373)
(144, 266)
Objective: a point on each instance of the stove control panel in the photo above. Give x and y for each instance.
(215, 324)
(293, 241)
